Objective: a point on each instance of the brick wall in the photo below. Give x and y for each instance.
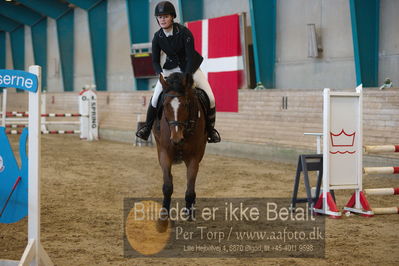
(261, 118)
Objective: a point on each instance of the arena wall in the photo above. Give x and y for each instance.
(389, 42)
(333, 24)
(334, 68)
(262, 128)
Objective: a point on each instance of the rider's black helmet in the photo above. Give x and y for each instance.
(165, 8)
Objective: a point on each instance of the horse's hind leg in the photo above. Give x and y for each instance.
(192, 171)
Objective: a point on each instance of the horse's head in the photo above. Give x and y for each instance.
(177, 94)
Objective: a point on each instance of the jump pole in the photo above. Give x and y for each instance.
(387, 170)
(387, 210)
(88, 116)
(382, 191)
(381, 148)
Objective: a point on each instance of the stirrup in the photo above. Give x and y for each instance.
(144, 132)
(213, 136)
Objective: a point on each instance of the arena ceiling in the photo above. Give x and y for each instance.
(28, 12)
(15, 14)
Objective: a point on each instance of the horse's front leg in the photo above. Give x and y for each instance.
(192, 171)
(167, 188)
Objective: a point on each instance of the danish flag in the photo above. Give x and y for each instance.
(218, 41)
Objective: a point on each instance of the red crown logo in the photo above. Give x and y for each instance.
(342, 139)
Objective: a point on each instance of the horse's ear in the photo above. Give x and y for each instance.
(163, 81)
(189, 81)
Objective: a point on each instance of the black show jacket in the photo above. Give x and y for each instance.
(179, 49)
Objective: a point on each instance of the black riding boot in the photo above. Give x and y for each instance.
(145, 131)
(213, 134)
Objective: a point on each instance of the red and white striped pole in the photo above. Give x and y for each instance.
(381, 148)
(382, 191)
(381, 170)
(26, 114)
(17, 132)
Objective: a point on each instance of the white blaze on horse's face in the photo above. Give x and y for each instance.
(175, 103)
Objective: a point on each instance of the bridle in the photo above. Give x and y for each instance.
(188, 124)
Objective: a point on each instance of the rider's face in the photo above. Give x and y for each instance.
(165, 21)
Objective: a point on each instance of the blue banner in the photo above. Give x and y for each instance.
(18, 79)
(13, 179)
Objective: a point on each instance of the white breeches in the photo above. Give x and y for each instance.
(200, 81)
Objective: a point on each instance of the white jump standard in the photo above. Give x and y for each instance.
(343, 156)
(343, 159)
(342, 152)
(34, 253)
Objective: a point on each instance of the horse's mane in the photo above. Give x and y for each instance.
(175, 82)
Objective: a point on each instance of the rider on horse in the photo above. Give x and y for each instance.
(178, 43)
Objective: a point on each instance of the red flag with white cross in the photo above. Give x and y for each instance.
(218, 41)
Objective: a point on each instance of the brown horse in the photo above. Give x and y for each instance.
(180, 134)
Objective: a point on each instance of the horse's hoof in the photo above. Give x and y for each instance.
(162, 225)
(190, 214)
